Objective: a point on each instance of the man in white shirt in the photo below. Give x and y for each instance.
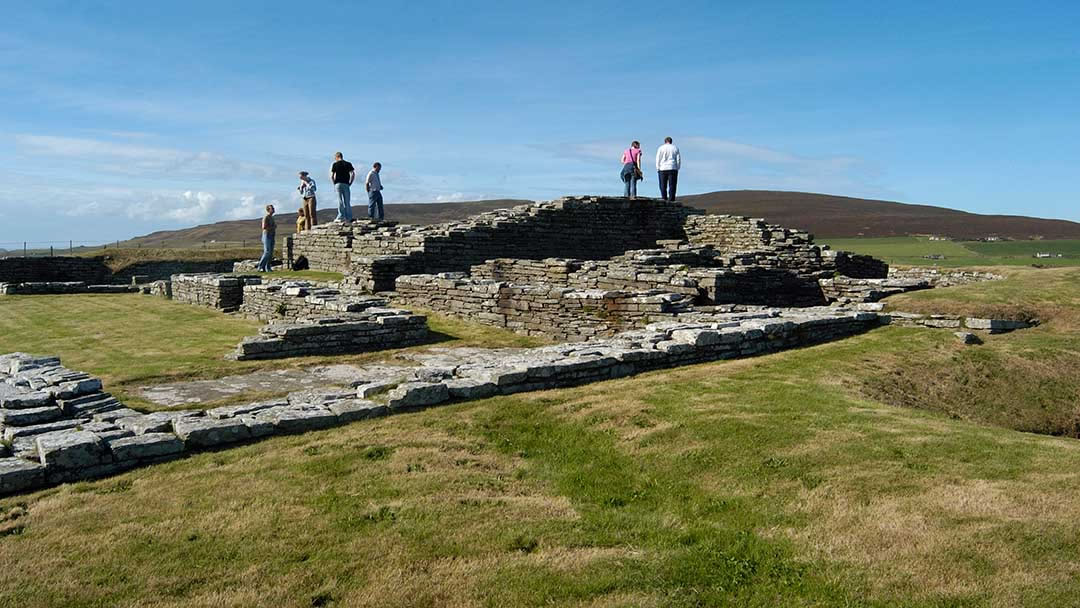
(668, 161)
(373, 185)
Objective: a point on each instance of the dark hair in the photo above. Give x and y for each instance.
(667, 140)
(635, 143)
(377, 164)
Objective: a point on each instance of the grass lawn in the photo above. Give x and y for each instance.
(763, 482)
(785, 480)
(909, 250)
(133, 340)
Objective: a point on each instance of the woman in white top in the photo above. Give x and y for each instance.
(631, 170)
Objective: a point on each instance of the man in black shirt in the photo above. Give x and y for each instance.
(342, 175)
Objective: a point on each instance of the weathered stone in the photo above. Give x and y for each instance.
(32, 400)
(468, 389)
(417, 394)
(145, 447)
(30, 416)
(13, 432)
(17, 475)
(71, 450)
(357, 409)
(300, 419)
(967, 337)
(208, 433)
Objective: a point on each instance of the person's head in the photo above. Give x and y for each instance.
(269, 210)
(377, 167)
(303, 175)
(301, 212)
(338, 156)
(667, 140)
(635, 144)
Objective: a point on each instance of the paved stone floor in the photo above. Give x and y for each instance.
(277, 381)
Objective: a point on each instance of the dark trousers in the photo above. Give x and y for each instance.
(668, 181)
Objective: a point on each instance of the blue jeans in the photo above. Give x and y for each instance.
(268, 251)
(344, 208)
(374, 206)
(629, 178)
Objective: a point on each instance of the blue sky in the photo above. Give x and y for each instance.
(122, 119)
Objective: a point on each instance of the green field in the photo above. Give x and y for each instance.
(910, 251)
(895, 468)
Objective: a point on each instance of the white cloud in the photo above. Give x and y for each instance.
(450, 198)
(247, 208)
(196, 207)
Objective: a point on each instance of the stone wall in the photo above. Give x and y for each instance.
(277, 300)
(57, 288)
(91, 435)
(370, 330)
(579, 227)
(842, 290)
(555, 312)
(853, 265)
(54, 269)
(939, 277)
(223, 292)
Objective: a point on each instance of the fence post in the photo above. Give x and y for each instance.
(71, 247)
(24, 249)
(50, 251)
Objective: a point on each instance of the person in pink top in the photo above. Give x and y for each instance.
(631, 170)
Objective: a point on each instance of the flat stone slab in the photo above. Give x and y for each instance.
(284, 381)
(302, 419)
(71, 450)
(208, 432)
(17, 475)
(146, 447)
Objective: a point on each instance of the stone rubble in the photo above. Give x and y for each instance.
(221, 291)
(61, 287)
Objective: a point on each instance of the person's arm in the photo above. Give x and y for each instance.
(352, 176)
(678, 159)
(659, 151)
(264, 224)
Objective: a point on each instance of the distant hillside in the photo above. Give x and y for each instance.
(237, 230)
(824, 215)
(840, 216)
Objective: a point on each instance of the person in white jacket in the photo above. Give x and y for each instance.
(668, 161)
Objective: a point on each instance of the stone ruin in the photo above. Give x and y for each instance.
(626, 286)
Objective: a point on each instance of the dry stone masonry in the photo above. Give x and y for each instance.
(560, 313)
(61, 426)
(372, 329)
(287, 299)
(220, 291)
(580, 227)
(65, 287)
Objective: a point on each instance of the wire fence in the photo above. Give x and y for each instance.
(60, 248)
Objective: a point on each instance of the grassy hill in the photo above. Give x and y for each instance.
(840, 216)
(822, 214)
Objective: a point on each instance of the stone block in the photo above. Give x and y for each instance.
(34, 399)
(207, 432)
(71, 450)
(300, 419)
(18, 475)
(146, 447)
(30, 416)
(357, 409)
(468, 388)
(417, 395)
